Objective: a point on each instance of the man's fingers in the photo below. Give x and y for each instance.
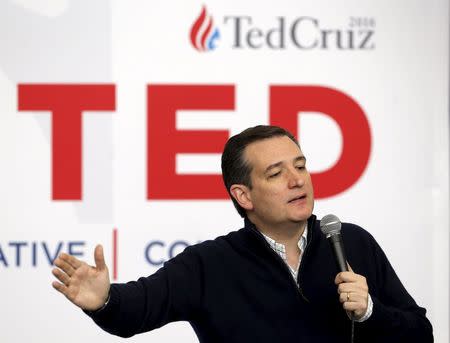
(353, 292)
(61, 276)
(99, 258)
(69, 293)
(344, 277)
(352, 287)
(352, 297)
(348, 277)
(347, 287)
(63, 265)
(60, 287)
(74, 262)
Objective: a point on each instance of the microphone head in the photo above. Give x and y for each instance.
(330, 225)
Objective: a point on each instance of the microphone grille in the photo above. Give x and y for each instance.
(330, 225)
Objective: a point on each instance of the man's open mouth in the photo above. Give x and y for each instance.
(300, 197)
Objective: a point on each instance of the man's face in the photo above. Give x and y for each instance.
(282, 191)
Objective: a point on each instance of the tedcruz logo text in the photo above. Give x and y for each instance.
(302, 33)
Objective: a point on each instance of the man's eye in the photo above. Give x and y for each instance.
(274, 175)
(300, 167)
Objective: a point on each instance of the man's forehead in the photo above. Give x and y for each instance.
(263, 153)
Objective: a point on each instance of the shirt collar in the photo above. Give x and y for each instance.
(280, 248)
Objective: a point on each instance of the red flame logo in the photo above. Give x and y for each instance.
(201, 30)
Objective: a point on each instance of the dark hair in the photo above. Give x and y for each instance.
(235, 168)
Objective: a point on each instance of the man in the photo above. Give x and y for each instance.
(273, 280)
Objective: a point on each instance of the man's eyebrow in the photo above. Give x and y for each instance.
(274, 165)
(277, 164)
(300, 158)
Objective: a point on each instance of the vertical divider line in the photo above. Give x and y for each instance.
(115, 254)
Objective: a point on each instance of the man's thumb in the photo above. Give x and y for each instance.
(99, 258)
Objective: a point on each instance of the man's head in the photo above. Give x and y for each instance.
(263, 169)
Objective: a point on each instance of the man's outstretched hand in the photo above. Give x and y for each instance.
(84, 285)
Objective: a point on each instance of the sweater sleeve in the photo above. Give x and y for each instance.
(396, 317)
(173, 293)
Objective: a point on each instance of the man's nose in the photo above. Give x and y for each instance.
(295, 179)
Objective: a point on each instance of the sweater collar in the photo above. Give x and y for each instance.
(249, 226)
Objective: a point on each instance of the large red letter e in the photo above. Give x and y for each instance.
(165, 141)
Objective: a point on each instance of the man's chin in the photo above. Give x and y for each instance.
(299, 220)
(301, 217)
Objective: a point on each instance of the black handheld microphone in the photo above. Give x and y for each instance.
(330, 225)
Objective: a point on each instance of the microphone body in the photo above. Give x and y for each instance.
(330, 225)
(339, 253)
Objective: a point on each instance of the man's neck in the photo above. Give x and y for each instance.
(287, 234)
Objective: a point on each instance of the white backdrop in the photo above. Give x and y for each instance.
(392, 60)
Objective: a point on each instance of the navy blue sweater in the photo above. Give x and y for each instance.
(237, 289)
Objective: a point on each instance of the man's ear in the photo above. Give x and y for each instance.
(241, 194)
